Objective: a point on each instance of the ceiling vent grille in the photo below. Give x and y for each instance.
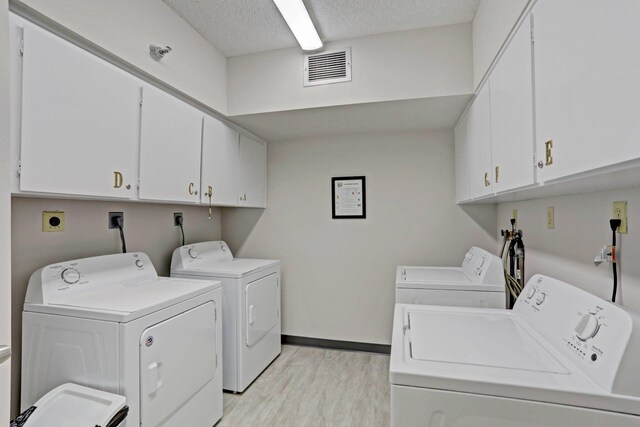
(327, 67)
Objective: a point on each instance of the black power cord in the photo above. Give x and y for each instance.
(614, 223)
(118, 222)
(179, 222)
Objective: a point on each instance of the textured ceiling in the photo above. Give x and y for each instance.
(414, 114)
(238, 27)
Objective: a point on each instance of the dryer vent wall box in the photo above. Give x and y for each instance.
(560, 355)
(251, 313)
(112, 324)
(479, 282)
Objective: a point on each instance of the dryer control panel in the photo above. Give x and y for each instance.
(189, 256)
(52, 283)
(589, 331)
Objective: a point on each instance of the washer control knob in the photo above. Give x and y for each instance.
(70, 275)
(531, 292)
(193, 253)
(587, 327)
(540, 298)
(139, 263)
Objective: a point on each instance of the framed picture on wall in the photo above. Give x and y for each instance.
(349, 197)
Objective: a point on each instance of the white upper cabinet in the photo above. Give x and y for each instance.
(462, 160)
(252, 173)
(170, 148)
(479, 142)
(511, 87)
(219, 164)
(587, 84)
(80, 121)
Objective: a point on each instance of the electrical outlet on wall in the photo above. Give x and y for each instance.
(52, 221)
(550, 218)
(620, 212)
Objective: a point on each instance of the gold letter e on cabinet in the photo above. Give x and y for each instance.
(117, 179)
(548, 146)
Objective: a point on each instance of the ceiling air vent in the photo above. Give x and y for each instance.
(327, 67)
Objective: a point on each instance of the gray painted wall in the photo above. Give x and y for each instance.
(148, 228)
(338, 276)
(581, 229)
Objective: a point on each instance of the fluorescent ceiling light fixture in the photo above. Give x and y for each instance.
(297, 17)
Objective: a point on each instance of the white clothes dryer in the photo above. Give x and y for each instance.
(478, 282)
(250, 307)
(112, 324)
(561, 357)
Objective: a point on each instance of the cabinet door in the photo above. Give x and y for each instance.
(219, 163)
(511, 86)
(80, 118)
(586, 84)
(479, 140)
(170, 145)
(462, 160)
(252, 173)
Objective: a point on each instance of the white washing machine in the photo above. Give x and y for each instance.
(561, 357)
(250, 307)
(479, 282)
(112, 324)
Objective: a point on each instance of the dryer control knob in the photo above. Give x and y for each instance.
(139, 263)
(193, 253)
(70, 275)
(587, 327)
(540, 298)
(531, 292)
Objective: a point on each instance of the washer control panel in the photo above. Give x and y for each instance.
(589, 331)
(55, 282)
(483, 267)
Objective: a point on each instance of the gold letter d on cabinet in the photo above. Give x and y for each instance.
(117, 179)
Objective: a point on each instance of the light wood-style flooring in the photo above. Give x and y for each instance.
(308, 386)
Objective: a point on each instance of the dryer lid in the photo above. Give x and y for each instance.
(236, 268)
(123, 302)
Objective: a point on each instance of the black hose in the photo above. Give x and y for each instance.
(182, 231)
(124, 244)
(613, 264)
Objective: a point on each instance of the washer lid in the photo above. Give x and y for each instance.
(454, 349)
(236, 268)
(440, 278)
(123, 302)
(71, 405)
(479, 339)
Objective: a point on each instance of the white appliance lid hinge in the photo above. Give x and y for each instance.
(21, 47)
(19, 166)
(138, 183)
(141, 96)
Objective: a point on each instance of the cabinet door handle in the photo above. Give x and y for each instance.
(5, 352)
(191, 188)
(497, 173)
(486, 179)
